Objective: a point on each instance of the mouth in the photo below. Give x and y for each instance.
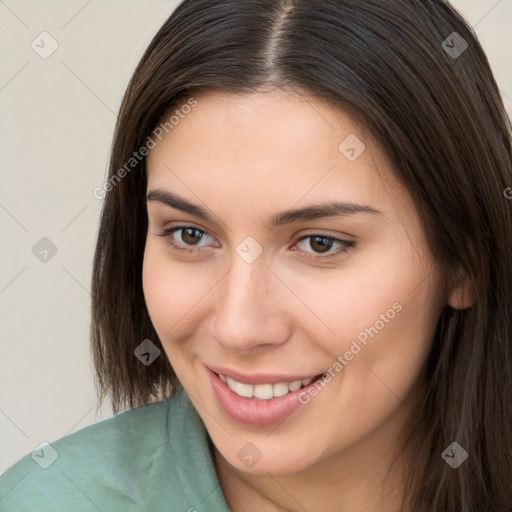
(262, 392)
(261, 400)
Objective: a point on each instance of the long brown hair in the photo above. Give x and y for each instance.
(414, 73)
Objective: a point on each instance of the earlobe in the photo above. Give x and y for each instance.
(462, 295)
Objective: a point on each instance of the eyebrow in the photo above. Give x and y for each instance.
(315, 211)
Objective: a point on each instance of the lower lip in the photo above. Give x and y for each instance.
(255, 412)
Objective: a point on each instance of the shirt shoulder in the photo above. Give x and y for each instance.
(150, 459)
(110, 465)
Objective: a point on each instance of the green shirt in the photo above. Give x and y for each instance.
(154, 458)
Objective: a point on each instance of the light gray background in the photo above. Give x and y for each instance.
(57, 120)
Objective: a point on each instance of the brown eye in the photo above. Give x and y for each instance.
(188, 240)
(321, 243)
(191, 236)
(320, 246)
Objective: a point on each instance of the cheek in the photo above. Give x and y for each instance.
(348, 301)
(381, 316)
(384, 324)
(172, 296)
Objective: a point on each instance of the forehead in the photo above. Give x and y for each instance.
(275, 120)
(280, 146)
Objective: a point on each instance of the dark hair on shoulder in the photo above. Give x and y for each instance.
(439, 117)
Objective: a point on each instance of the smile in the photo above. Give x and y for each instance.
(264, 391)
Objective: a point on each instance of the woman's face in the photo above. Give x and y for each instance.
(290, 252)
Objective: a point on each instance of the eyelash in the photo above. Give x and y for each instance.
(346, 245)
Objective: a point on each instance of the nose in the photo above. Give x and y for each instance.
(249, 312)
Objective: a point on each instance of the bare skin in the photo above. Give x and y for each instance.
(244, 159)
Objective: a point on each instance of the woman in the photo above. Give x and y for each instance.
(301, 287)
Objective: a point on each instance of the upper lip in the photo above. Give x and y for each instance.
(261, 378)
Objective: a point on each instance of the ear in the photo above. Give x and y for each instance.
(462, 295)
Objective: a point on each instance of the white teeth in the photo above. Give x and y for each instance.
(231, 383)
(244, 390)
(263, 391)
(296, 384)
(280, 389)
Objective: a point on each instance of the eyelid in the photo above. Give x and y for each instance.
(169, 231)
